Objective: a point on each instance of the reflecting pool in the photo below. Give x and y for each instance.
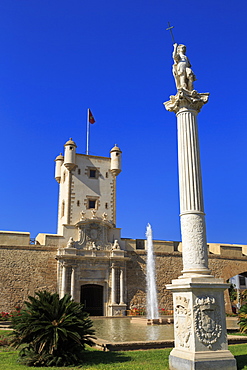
(122, 330)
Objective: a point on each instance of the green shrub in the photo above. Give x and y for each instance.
(242, 315)
(51, 331)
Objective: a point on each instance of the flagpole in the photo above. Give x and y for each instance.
(88, 128)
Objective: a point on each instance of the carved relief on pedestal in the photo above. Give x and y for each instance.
(208, 325)
(182, 322)
(194, 241)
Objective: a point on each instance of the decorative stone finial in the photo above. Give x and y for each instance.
(104, 215)
(93, 213)
(83, 215)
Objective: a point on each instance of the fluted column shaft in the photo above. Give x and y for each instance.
(190, 182)
(192, 218)
(187, 104)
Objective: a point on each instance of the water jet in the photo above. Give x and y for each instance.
(152, 317)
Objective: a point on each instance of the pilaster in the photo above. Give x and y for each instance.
(72, 284)
(64, 277)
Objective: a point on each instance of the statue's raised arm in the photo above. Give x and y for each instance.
(183, 74)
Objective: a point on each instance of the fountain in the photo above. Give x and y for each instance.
(152, 317)
(151, 300)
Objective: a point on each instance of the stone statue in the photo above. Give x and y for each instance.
(183, 74)
(116, 245)
(70, 243)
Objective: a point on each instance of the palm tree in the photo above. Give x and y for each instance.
(242, 315)
(52, 331)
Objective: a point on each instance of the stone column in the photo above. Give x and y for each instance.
(121, 286)
(113, 284)
(72, 284)
(198, 297)
(195, 255)
(64, 276)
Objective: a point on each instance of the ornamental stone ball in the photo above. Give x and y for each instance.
(182, 72)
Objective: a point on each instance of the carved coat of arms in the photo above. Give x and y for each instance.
(207, 320)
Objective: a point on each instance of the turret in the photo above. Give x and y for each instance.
(69, 154)
(59, 161)
(116, 159)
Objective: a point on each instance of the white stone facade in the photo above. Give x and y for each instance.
(86, 183)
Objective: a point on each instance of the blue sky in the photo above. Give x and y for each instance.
(60, 57)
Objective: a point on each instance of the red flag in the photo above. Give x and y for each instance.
(90, 117)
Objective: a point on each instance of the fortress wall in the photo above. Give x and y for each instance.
(169, 267)
(24, 270)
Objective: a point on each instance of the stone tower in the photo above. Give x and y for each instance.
(91, 259)
(87, 185)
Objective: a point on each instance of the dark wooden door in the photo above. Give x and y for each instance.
(92, 298)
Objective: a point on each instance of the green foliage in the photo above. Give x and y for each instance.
(242, 315)
(232, 292)
(52, 331)
(244, 295)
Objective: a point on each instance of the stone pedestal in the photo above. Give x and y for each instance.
(200, 325)
(198, 297)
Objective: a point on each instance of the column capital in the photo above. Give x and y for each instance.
(186, 100)
(65, 264)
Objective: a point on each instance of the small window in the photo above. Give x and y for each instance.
(71, 148)
(106, 205)
(92, 173)
(91, 203)
(242, 280)
(78, 203)
(140, 244)
(106, 175)
(79, 171)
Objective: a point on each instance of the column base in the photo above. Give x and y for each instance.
(196, 273)
(223, 360)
